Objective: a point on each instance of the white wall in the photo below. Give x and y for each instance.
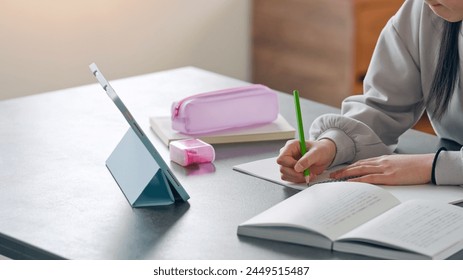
(47, 45)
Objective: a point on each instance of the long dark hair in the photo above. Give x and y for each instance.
(446, 74)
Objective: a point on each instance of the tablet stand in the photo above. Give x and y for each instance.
(138, 174)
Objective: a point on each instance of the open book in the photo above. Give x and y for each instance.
(268, 169)
(277, 130)
(362, 219)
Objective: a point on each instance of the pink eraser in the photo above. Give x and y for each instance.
(191, 151)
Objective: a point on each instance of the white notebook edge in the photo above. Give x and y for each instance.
(280, 129)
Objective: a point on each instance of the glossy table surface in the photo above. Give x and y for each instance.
(58, 200)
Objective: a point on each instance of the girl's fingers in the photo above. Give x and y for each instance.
(356, 171)
(377, 179)
(289, 174)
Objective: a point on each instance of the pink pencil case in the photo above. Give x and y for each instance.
(225, 109)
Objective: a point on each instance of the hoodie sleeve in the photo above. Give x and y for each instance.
(370, 124)
(449, 168)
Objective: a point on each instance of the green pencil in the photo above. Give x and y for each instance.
(300, 127)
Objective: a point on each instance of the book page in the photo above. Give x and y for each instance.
(426, 227)
(330, 209)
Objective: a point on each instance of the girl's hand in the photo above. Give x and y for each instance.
(319, 156)
(390, 170)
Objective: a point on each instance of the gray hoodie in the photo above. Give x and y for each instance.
(398, 80)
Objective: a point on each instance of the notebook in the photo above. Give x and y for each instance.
(268, 169)
(279, 129)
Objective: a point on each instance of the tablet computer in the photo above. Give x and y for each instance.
(136, 165)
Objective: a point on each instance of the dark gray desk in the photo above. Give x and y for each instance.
(58, 200)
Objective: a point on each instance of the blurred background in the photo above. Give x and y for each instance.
(47, 45)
